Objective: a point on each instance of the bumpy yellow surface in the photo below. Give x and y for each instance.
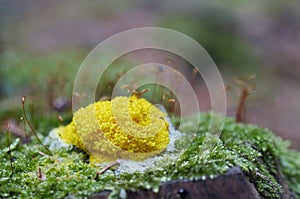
(124, 128)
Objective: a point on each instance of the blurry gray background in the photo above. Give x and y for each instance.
(39, 37)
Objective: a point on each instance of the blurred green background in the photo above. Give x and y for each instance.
(42, 44)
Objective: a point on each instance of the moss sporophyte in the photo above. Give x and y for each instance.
(124, 128)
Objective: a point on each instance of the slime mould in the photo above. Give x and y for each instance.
(124, 128)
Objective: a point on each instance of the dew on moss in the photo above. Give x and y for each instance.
(249, 147)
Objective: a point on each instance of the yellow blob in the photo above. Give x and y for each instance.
(124, 128)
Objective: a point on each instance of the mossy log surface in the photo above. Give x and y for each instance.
(233, 184)
(265, 160)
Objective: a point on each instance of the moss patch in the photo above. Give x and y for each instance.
(257, 151)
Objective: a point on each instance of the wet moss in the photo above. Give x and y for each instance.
(201, 155)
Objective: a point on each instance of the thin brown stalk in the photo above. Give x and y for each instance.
(241, 106)
(9, 150)
(25, 133)
(246, 87)
(31, 127)
(105, 169)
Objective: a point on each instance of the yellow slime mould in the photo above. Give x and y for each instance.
(124, 128)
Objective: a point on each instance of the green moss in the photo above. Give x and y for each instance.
(257, 151)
